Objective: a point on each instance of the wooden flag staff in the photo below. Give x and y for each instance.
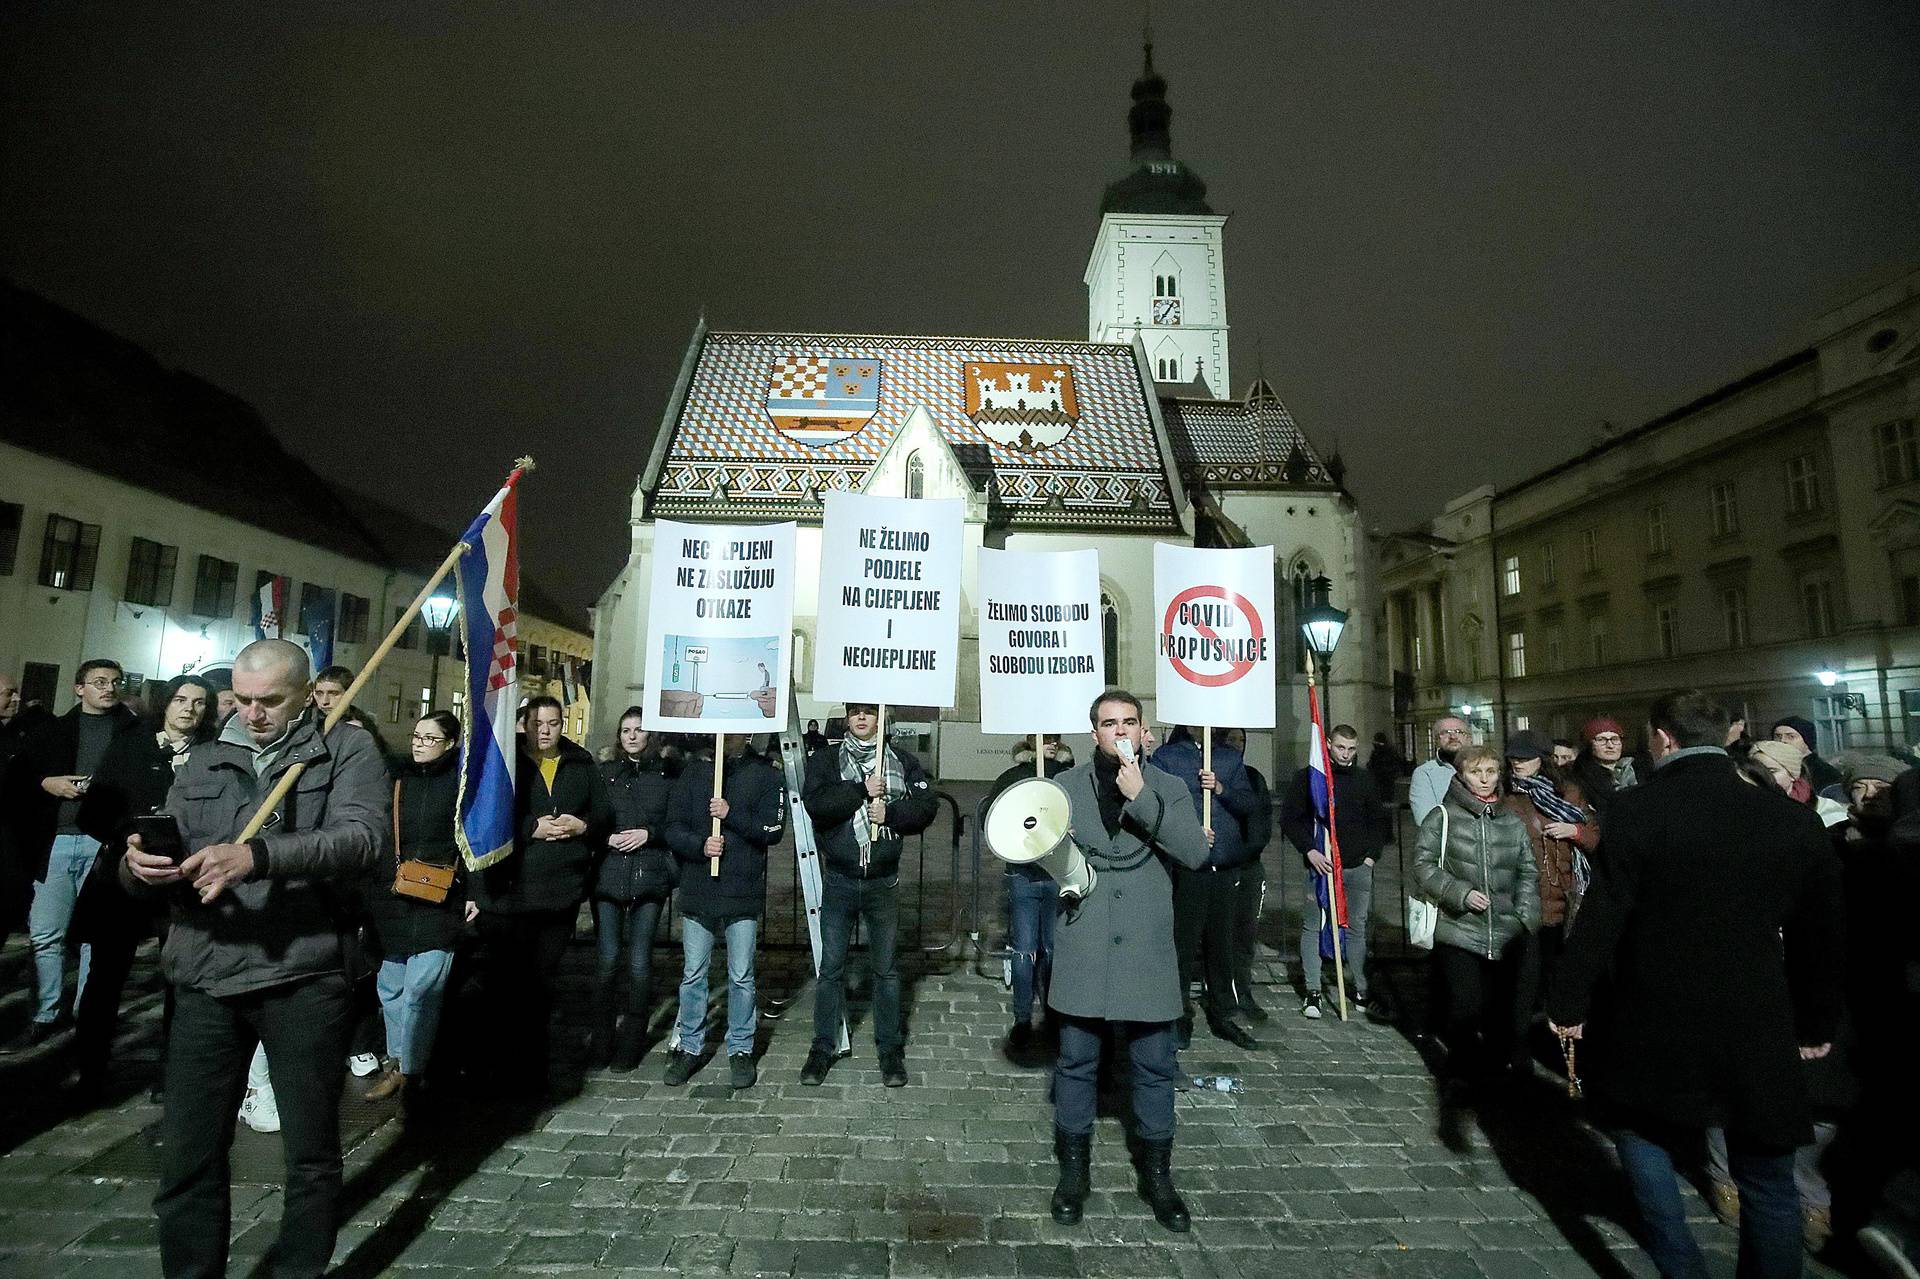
(1206, 793)
(345, 702)
(1339, 951)
(719, 767)
(1039, 754)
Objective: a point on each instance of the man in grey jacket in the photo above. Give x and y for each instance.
(1114, 966)
(257, 954)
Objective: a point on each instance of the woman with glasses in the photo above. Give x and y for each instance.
(417, 935)
(131, 781)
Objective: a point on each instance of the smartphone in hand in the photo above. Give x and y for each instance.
(160, 835)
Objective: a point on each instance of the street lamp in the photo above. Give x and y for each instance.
(1321, 625)
(1828, 677)
(438, 612)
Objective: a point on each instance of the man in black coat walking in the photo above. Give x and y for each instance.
(1714, 919)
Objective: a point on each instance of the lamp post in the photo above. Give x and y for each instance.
(1829, 677)
(1321, 625)
(438, 611)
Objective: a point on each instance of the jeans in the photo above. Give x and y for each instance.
(696, 943)
(523, 954)
(1033, 903)
(1809, 1172)
(1076, 1075)
(877, 903)
(53, 899)
(303, 1025)
(1770, 1229)
(1203, 936)
(411, 990)
(1358, 881)
(625, 927)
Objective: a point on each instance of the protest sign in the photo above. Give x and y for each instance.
(889, 604)
(719, 628)
(1040, 642)
(1215, 638)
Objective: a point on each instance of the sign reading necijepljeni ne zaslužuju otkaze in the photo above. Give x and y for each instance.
(719, 628)
(889, 606)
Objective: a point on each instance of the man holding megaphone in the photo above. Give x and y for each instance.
(1114, 965)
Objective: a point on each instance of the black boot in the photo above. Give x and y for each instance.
(629, 1042)
(600, 1040)
(1075, 1155)
(1155, 1164)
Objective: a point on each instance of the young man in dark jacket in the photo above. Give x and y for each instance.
(723, 888)
(864, 799)
(1704, 971)
(632, 887)
(1203, 898)
(530, 900)
(50, 779)
(1360, 824)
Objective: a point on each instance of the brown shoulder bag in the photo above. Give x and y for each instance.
(413, 877)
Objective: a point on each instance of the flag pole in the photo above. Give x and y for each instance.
(1039, 755)
(719, 779)
(1206, 766)
(341, 707)
(1339, 951)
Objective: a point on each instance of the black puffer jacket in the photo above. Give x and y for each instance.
(549, 874)
(832, 802)
(756, 819)
(407, 926)
(637, 792)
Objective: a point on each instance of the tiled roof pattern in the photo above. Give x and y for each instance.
(1252, 441)
(726, 451)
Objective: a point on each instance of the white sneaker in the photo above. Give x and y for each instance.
(260, 1110)
(1310, 1007)
(363, 1064)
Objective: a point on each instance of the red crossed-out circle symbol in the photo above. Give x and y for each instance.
(1237, 669)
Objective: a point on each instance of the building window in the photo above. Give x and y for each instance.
(1910, 599)
(1516, 654)
(537, 660)
(1110, 637)
(1803, 484)
(916, 475)
(1733, 615)
(1666, 630)
(1896, 453)
(1831, 721)
(1726, 510)
(1419, 655)
(215, 583)
(1510, 575)
(150, 572)
(11, 514)
(1166, 286)
(353, 619)
(1816, 606)
(1597, 639)
(1657, 543)
(1549, 574)
(409, 639)
(393, 703)
(1169, 369)
(1910, 713)
(1555, 651)
(67, 554)
(1590, 550)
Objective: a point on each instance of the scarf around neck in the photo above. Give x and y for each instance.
(1546, 798)
(856, 761)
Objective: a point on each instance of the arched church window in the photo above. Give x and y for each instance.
(1110, 637)
(1301, 576)
(1173, 287)
(916, 475)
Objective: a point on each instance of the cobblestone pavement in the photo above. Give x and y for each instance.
(1334, 1160)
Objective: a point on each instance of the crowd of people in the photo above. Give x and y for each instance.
(1714, 920)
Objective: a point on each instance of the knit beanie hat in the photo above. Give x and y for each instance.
(1784, 754)
(1804, 727)
(1600, 724)
(1879, 768)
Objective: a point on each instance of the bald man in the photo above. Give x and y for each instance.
(256, 955)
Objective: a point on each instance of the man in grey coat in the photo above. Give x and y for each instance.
(257, 954)
(1114, 964)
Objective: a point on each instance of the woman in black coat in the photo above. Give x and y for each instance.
(417, 937)
(529, 900)
(635, 879)
(131, 781)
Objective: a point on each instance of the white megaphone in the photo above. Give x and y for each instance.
(1028, 826)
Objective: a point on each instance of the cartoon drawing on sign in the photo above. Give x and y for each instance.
(819, 400)
(1029, 407)
(738, 679)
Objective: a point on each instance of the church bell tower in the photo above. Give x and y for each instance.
(1157, 267)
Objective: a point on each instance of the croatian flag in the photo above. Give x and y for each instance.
(1330, 891)
(489, 577)
(270, 608)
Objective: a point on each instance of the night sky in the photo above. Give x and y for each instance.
(1462, 236)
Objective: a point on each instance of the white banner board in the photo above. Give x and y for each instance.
(1040, 643)
(889, 600)
(719, 628)
(1215, 644)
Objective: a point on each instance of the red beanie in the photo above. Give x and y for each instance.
(1597, 725)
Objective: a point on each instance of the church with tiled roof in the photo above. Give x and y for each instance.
(1115, 442)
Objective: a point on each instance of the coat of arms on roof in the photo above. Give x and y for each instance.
(1024, 406)
(818, 400)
